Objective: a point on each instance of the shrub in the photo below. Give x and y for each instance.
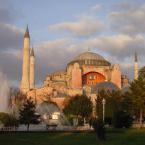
(8, 120)
(122, 119)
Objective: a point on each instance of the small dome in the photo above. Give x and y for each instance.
(107, 86)
(91, 59)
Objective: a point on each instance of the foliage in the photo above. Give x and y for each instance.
(116, 101)
(142, 73)
(8, 120)
(126, 103)
(122, 119)
(17, 98)
(137, 88)
(99, 128)
(27, 113)
(4, 117)
(112, 102)
(78, 106)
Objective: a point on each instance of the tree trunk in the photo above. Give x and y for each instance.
(28, 127)
(140, 118)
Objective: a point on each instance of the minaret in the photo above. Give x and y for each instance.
(25, 86)
(32, 69)
(136, 67)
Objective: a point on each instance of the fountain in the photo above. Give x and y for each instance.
(51, 114)
(4, 90)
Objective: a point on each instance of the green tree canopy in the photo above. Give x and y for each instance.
(142, 73)
(137, 88)
(112, 103)
(79, 106)
(116, 101)
(8, 120)
(27, 113)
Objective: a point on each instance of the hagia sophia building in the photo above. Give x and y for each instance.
(84, 74)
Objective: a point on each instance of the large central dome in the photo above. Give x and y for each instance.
(90, 58)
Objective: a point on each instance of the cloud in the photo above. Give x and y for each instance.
(10, 37)
(86, 26)
(7, 12)
(96, 7)
(119, 46)
(128, 19)
(10, 64)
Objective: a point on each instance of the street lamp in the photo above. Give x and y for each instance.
(103, 102)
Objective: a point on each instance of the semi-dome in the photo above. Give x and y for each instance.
(107, 86)
(90, 58)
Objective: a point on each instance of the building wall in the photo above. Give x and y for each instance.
(99, 69)
(116, 75)
(76, 77)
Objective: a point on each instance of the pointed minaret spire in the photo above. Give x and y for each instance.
(135, 66)
(27, 33)
(32, 52)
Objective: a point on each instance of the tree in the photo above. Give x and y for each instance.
(122, 119)
(79, 107)
(4, 117)
(28, 115)
(17, 98)
(137, 88)
(8, 120)
(112, 104)
(142, 73)
(116, 102)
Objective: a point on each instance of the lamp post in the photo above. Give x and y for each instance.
(103, 102)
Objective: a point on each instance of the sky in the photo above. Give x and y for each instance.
(62, 29)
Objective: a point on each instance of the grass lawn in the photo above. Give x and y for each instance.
(114, 137)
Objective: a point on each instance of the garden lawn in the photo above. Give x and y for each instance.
(114, 137)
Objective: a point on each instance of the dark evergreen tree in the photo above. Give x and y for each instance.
(28, 114)
(122, 119)
(142, 73)
(138, 98)
(112, 104)
(116, 102)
